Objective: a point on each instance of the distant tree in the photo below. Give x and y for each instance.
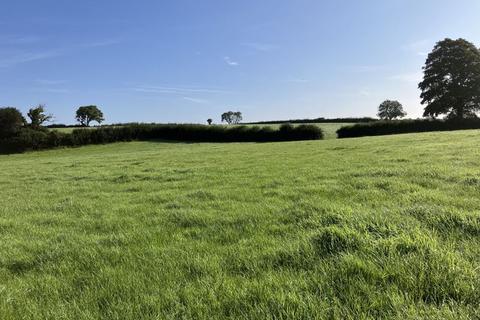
(87, 114)
(209, 121)
(227, 117)
(38, 117)
(237, 117)
(451, 82)
(390, 110)
(231, 117)
(11, 121)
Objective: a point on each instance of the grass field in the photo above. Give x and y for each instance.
(380, 227)
(330, 129)
(69, 129)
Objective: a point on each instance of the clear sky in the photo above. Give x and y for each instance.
(189, 60)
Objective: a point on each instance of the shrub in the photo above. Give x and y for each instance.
(405, 126)
(11, 121)
(286, 128)
(317, 120)
(26, 139)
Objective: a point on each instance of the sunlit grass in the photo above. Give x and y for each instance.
(381, 227)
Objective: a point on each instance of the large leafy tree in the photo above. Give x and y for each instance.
(87, 114)
(231, 117)
(38, 117)
(451, 83)
(11, 121)
(390, 110)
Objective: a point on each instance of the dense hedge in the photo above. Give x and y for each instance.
(29, 139)
(405, 126)
(61, 125)
(317, 120)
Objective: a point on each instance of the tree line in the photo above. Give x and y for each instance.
(11, 119)
(450, 88)
(29, 139)
(18, 135)
(450, 85)
(17, 131)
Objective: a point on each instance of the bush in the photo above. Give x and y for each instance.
(11, 121)
(61, 125)
(29, 139)
(316, 120)
(26, 139)
(193, 132)
(405, 126)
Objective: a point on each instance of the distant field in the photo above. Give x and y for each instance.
(67, 130)
(379, 228)
(329, 129)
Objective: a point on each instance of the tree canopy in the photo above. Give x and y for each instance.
(231, 117)
(389, 110)
(451, 83)
(37, 116)
(87, 114)
(11, 121)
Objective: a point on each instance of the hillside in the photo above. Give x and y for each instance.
(379, 227)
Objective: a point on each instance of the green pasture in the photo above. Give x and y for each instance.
(370, 228)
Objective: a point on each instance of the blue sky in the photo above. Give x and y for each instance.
(189, 60)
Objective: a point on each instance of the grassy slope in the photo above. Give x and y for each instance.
(373, 227)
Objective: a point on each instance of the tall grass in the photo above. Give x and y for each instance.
(373, 228)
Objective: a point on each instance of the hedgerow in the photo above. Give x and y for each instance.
(28, 139)
(405, 126)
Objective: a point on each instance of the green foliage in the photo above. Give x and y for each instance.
(38, 117)
(78, 137)
(231, 117)
(34, 139)
(389, 110)
(317, 120)
(451, 84)
(329, 130)
(11, 121)
(406, 126)
(372, 228)
(209, 121)
(87, 114)
(286, 128)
